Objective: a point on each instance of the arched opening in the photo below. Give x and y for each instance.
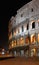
(18, 42)
(27, 26)
(27, 40)
(33, 38)
(33, 25)
(14, 42)
(22, 41)
(33, 52)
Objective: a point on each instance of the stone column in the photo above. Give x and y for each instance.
(22, 52)
(14, 53)
(36, 38)
(24, 39)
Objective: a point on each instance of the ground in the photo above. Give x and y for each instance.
(19, 61)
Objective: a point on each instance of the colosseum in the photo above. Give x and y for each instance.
(23, 31)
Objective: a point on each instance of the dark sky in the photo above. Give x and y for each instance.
(7, 9)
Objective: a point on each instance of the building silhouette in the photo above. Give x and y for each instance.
(23, 31)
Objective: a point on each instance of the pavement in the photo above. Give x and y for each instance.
(20, 61)
(4, 57)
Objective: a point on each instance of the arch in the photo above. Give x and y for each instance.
(33, 25)
(33, 38)
(27, 40)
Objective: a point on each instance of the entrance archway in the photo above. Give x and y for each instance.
(33, 52)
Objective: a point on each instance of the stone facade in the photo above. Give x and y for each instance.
(24, 30)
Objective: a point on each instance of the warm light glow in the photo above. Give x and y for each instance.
(10, 36)
(14, 33)
(27, 40)
(14, 42)
(34, 50)
(22, 41)
(18, 42)
(38, 20)
(12, 45)
(33, 38)
(38, 37)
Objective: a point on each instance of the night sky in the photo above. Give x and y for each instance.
(8, 9)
